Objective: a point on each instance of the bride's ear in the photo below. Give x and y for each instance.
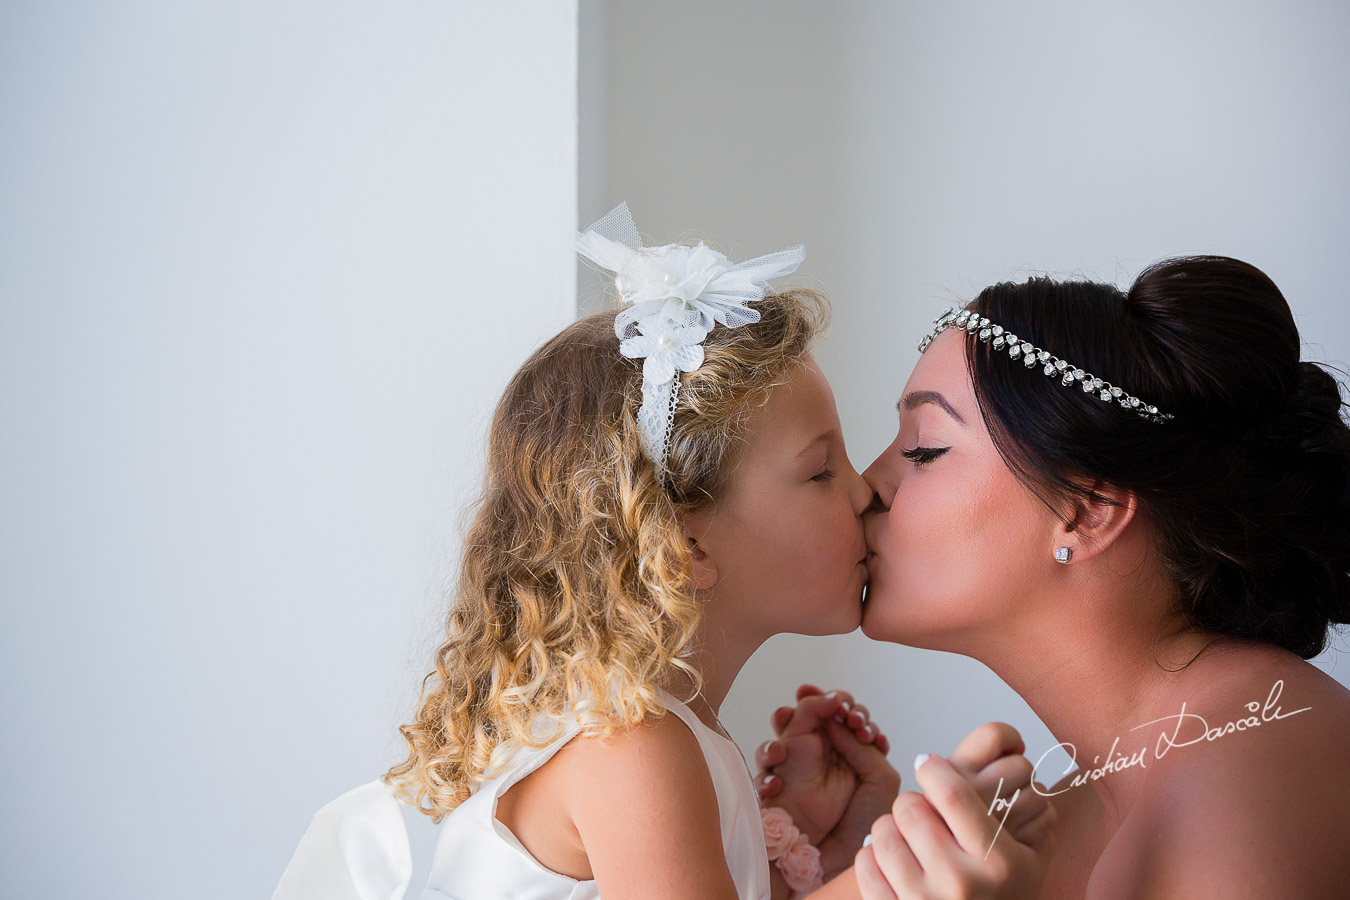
(704, 574)
(1094, 523)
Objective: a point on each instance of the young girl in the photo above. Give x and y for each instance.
(666, 488)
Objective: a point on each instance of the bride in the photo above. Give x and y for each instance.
(1148, 560)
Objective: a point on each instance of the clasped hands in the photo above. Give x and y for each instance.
(979, 829)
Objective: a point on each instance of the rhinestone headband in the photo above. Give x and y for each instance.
(1032, 356)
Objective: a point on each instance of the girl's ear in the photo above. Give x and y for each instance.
(695, 525)
(705, 569)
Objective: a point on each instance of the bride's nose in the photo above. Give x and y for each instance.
(883, 490)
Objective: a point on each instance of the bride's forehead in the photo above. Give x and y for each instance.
(942, 366)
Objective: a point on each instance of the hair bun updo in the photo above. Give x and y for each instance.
(1311, 421)
(1307, 449)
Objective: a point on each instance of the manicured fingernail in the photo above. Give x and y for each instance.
(845, 706)
(871, 732)
(867, 841)
(764, 747)
(769, 779)
(920, 760)
(831, 695)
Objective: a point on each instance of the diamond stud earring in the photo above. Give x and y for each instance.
(1062, 554)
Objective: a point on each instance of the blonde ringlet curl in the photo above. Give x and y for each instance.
(573, 588)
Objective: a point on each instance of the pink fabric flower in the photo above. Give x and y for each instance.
(779, 831)
(801, 867)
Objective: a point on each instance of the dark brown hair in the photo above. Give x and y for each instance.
(1248, 486)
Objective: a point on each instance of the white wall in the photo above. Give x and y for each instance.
(925, 150)
(264, 268)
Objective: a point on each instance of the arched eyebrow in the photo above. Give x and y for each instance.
(918, 398)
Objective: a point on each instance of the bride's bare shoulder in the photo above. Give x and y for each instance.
(1259, 720)
(1278, 700)
(1251, 796)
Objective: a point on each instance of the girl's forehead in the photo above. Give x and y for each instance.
(796, 420)
(803, 402)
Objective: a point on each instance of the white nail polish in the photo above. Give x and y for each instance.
(920, 760)
(867, 841)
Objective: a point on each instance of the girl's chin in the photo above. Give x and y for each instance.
(844, 617)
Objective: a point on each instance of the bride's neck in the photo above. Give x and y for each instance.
(1116, 663)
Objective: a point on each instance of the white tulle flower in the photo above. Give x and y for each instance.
(670, 271)
(705, 287)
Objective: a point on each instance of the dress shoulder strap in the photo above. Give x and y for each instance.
(526, 759)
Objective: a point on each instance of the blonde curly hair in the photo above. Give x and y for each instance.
(572, 594)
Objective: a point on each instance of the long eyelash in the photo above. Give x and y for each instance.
(921, 456)
(823, 476)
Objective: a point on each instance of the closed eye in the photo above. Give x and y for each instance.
(921, 456)
(823, 476)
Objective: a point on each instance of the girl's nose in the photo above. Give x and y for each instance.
(861, 493)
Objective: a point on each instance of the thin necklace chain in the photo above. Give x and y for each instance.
(744, 761)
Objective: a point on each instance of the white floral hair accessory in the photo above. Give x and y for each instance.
(676, 295)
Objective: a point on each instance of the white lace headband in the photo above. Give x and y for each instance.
(1032, 356)
(678, 294)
